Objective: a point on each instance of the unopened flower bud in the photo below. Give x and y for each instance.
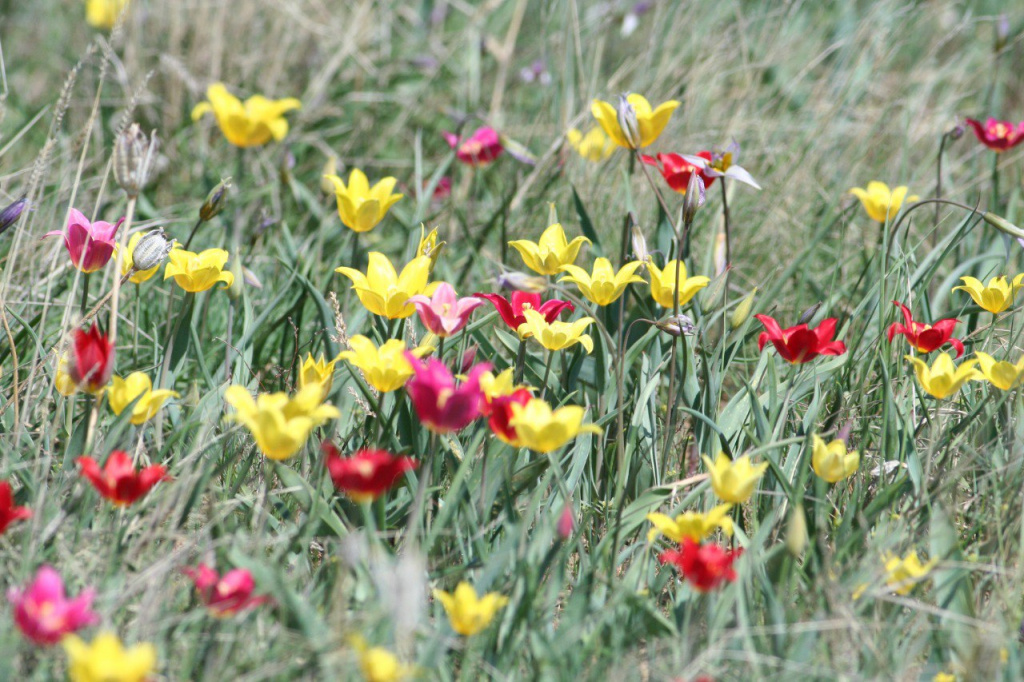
(640, 251)
(956, 132)
(742, 311)
(151, 250)
(796, 530)
(628, 124)
(809, 314)
(677, 325)
(214, 203)
(10, 215)
(468, 359)
(1002, 224)
(519, 281)
(719, 255)
(695, 197)
(133, 156)
(566, 522)
(330, 168)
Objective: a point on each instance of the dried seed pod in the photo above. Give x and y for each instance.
(677, 325)
(151, 250)
(133, 156)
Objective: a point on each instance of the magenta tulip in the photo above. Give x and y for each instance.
(90, 245)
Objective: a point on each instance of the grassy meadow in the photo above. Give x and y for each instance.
(864, 519)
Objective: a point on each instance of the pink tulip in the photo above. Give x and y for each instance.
(566, 522)
(224, 595)
(479, 149)
(441, 406)
(43, 612)
(445, 313)
(90, 245)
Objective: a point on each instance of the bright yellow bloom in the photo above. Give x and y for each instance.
(649, 124)
(378, 664)
(693, 525)
(195, 272)
(663, 284)
(384, 368)
(542, 429)
(498, 385)
(383, 291)
(831, 461)
(547, 256)
(944, 677)
(319, 372)
(127, 263)
(360, 206)
(63, 382)
(604, 286)
(942, 379)
(279, 424)
(249, 124)
(903, 574)
(1003, 375)
(104, 13)
(880, 203)
(734, 480)
(106, 660)
(468, 613)
(429, 246)
(137, 385)
(997, 296)
(594, 146)
(556, 335)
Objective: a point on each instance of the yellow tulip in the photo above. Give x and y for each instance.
(467, 612)
(384, 368)
(1003, 375)
(106, 659)
(279, 424)
(249, 124)
(642, 124)
(378, 664)
(430, 246)
(318, 372)
(734, 480)
(383, 291)
(663, 284)
(547, 256)
(63, 382)
(127, 263)
(903, 574)
(594, 146)
(556, 335)
(604, 286)
(360, 206)
(693, 525)
(831, 461)
(880, 203)
(997, 296)
(195, 272)
(542, 429)
(103, 14)
(498, 385)
(137, 385)
(942, 379)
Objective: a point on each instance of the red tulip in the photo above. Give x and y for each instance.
(499, 412)
(118, 481)
(677, 171)
(441, 406)
(479, 149)
(925, 337)
(511, 311)
(92, 359)
(800, 343)
(224, 595)
(704, 566)
(9, 513)
(367, 474)
(998, 135)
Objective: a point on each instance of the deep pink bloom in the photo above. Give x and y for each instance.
(442, 406)
(9, 513)
(800, 344)
(442, 191)
(479, 149)
(704, 566)
(90, 245)
(367, 474)
(925, 337)
(43, 612)
(224, 595)
(118, 481)
(511, 311)
(444, 313)
(566, 522)
(92, 359)
(998, 135)
(677, 171)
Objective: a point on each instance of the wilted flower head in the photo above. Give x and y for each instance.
(90, 245)
(250, 124)
(44, 613)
